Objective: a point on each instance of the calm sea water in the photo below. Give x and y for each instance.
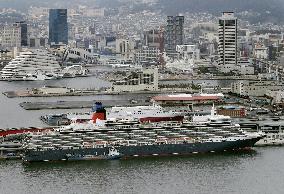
(258, 171)
(12, 115)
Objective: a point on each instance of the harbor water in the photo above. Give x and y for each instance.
(257, 171)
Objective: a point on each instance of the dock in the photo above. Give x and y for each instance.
(30, 93)
(61, 91)
(76, 104)
(27, 93)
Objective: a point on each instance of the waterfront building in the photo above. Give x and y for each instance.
(30, 65)
(188, 99)
(227, 45)
(146, 79)
(58, 27)
(15, 35)
(255, 88)
(174, 34)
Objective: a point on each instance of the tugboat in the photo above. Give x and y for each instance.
(113, 154)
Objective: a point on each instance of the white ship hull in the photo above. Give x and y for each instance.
(271, 139)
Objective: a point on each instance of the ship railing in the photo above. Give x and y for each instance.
(142, 143)
(132, 144)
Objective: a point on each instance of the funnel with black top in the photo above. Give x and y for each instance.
(99, 112)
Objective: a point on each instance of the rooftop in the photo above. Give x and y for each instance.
(188, 97)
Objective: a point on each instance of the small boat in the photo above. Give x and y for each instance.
(113, 154)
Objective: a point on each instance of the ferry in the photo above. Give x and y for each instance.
(152, 113)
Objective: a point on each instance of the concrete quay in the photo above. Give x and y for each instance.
(29, 93)
(206, 77)
(75, 104)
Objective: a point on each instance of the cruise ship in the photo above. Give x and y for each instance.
(36, 64)
(82, 141)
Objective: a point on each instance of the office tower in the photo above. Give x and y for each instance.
(58, 27)
(227, 46)
(174, 33)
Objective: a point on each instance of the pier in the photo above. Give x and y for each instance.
(76, 104)
(32, 93)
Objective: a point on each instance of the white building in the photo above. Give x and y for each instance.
(11, 36)
(146, 80)
(260, 52)
(227, 45)
(255, 88)
(188, 52)
(32, 65)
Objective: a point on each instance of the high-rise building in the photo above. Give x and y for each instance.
(174, 33)
(58, 27)
(227, 46)
(15, 35)
(24, 32)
